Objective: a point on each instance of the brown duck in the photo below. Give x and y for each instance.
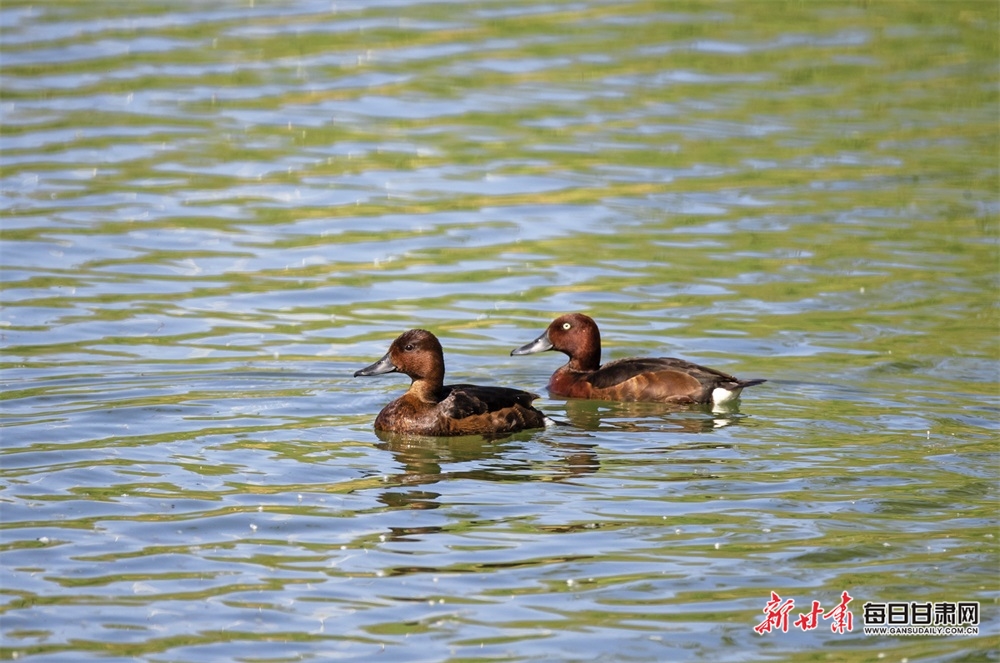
(657, 379)
(429, 407)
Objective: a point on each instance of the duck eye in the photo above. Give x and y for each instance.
(566, 325)
(409, 347)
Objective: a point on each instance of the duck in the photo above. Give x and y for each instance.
(431, 408)
(653, 379)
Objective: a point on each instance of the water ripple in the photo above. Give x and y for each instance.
(213, 216)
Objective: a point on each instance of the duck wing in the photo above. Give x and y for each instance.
(664, 379)
(466, 400)
(616, 372)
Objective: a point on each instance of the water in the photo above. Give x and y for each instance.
(213, 216)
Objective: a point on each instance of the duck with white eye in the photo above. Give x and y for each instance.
(653, 379)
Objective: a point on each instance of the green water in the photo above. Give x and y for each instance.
(212, 216)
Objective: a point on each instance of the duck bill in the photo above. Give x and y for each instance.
(383, 365)
(540, 344)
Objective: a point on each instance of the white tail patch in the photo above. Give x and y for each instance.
(722, 396)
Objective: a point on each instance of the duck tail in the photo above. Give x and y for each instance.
(750, 383)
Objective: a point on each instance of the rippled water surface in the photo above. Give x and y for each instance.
(213, 214)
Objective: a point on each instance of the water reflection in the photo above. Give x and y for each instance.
(426, 461)
(430, 460)
(590, 415)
